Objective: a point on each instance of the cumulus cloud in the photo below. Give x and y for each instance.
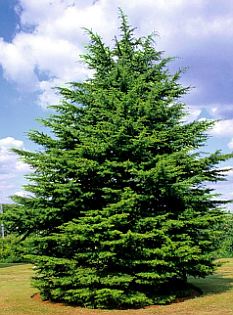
(193, 113)
(21, 193)
(221, 111)
(16, 67)
(224, 188)
(11, 168)
(223, 128)
(230, 144)
(45, 50)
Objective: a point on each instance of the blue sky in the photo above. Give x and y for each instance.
(40, 43)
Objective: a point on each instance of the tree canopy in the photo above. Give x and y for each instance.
(119, 212)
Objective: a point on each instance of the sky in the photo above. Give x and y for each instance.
(40, 45)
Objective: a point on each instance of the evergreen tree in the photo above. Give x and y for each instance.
(119, 210)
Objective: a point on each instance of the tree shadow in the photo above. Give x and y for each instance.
(214, 284)
(5, 265)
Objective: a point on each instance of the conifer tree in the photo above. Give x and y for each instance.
(119, 212)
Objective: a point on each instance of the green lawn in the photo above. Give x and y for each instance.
(16, 296)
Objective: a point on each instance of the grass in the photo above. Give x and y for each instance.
(4, 265)
(16, 296)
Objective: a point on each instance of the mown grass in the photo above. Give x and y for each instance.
(16, 296)
(4, 265)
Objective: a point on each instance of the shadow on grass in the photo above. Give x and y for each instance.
(213, 284)
(5, 265)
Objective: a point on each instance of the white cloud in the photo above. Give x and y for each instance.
(228, 170)
(48, 95)
(49, 54)
(21, 193)
(17, 66)
(35, 12)
(47, 47)
(223, 128)
(193, 113)
(230, 144)
(11, 168)
(10, 142)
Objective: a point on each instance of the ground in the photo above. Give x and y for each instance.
(19, 298)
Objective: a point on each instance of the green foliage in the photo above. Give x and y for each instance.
(120, 213)
(11, 250)
(11, 246)
(225, 241)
